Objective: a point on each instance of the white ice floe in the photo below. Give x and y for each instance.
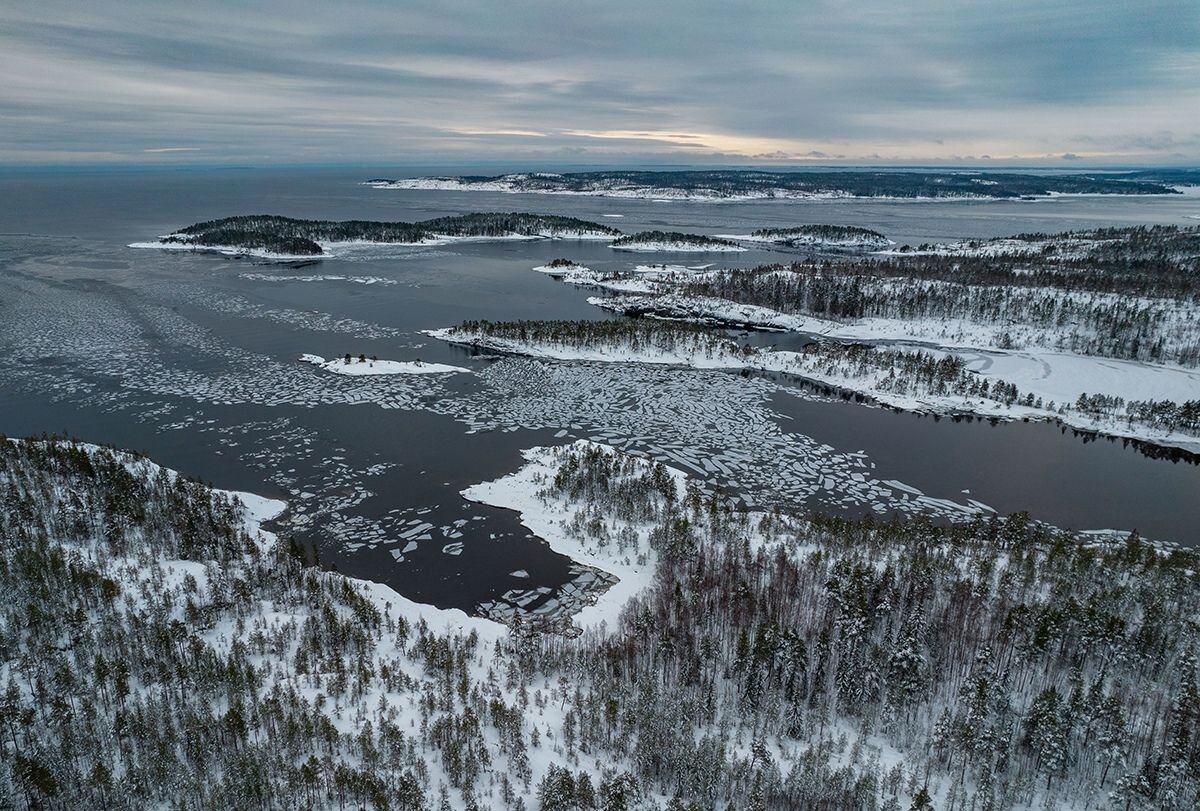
(358, 367)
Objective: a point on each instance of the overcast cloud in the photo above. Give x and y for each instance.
(770, 82)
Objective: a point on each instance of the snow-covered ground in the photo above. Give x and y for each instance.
(259, 510)
(564, 271)
(358, 367)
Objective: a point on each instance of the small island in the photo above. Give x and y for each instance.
(361, 366)
(825, 237)
(273, 237)
(651, 241)
(557, 268)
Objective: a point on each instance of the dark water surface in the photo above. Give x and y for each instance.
(184, 358)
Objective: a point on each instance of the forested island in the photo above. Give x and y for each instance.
(822, 237)
(271, 235)
(732, 184)
(650, 241)
(830, 233)
(159, 649)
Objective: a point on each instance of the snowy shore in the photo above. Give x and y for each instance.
(1051, 377)
(547, 516)
(333, 250)
(586, 277)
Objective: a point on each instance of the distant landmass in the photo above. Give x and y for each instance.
(759, 184)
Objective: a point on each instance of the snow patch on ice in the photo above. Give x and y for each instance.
(356, 367)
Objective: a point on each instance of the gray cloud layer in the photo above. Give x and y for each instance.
(786, 80)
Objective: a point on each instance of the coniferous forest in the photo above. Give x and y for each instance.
(671, 238)
(154, 653)
(1123, 293)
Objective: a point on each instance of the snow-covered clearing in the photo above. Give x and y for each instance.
(1052, 378)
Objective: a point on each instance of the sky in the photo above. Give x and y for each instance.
(770, 82)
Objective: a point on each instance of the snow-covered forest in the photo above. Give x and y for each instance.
(287, 236)
(159, 650)
(822, 236)
(1122, 293)
(672, 241)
